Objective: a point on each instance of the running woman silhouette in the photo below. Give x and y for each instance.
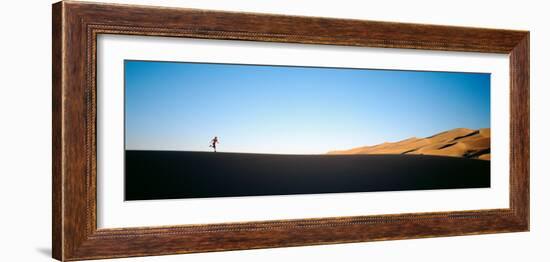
(214, 142)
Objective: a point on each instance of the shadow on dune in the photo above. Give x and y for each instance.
(178, 174)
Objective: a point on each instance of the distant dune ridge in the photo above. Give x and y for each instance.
(459, 142)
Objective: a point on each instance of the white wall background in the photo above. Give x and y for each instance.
(25, 131)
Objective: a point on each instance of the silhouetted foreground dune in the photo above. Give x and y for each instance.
(459, 142)
(173, 174)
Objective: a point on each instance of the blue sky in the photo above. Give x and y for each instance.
(293, 110)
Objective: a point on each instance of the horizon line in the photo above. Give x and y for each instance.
(328, 155)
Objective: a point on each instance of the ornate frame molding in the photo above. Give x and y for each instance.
(76, 26)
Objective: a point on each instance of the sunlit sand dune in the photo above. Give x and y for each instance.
(459, 142)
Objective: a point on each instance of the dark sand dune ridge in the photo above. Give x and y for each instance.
(179, 174)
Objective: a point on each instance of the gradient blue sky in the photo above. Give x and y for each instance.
(293, 110)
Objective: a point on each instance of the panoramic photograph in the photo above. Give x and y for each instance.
(202, 130)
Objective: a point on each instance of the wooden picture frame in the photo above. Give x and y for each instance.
(76, 26)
